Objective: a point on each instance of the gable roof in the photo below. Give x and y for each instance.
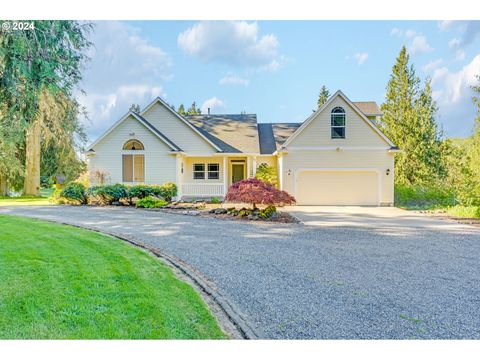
(338, 93)
(232, 133)
(145, 123)
(201, 134)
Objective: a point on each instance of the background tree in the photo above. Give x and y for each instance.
(194, 110)
(39, 71)
(267, 174)
(181, 109)
(323, 96)
(409, 121)
(135, 108)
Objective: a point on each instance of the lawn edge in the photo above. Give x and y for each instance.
(228, 317)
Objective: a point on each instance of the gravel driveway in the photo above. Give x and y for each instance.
(391, 281)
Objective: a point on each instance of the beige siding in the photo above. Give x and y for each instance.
(380, 160)
(357, 132)
(177, 131)
(159, 162)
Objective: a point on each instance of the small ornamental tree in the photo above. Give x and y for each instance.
(255, 191)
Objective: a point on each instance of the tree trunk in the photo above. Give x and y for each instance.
(3, 186)
(31, 185)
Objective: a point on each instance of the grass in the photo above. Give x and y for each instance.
(424, 198)
(61, 282)
(464, 211)
(43, 199)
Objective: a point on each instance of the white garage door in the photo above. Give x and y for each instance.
(337, 187)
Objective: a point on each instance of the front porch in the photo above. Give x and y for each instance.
(211, 176)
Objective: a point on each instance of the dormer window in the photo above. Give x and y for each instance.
(338, 123)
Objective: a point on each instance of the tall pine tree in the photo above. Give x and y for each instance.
(323, 96)
(409, 121)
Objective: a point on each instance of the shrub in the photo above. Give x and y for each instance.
(168, 191)
(215, 200)
(267, 174)
(464, 211)
(150, 202)
(255, 191)
(142, 191)
(74, 192)
(422, 197)
(268, 212)
(109, 193)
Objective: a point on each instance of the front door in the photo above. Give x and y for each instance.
(238, 172)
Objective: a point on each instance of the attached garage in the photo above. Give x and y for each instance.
(337, 187)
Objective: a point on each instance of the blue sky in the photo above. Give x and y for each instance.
(275, 68)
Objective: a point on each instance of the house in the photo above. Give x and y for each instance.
(337, 156)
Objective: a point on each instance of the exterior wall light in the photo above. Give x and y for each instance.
(289, 172)
(388, 172)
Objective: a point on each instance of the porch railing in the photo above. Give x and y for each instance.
(213, 189)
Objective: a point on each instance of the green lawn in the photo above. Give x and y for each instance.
(43, 199)
(61, 282)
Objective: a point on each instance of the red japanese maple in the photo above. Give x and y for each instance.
(255, 191)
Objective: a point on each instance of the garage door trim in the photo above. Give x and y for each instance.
(377, 170)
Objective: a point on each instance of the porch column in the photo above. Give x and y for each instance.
(179, 176)
(280, 170)
(254, 172)
(225, 175)
(249, 175)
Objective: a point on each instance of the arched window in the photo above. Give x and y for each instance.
(133, 145)
(133, 164)
(337, 117)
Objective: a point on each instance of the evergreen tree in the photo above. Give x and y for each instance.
(409, 121)
(193, 110)
(135, 108)
(181, 109)
(39, 71)
(323, 96)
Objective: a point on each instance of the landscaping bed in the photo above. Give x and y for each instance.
(250, 193)
(227, 211)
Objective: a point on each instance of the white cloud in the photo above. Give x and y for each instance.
(452, 91)
(432, 65)
(410, 33)
(213, 103)
(469, 31)
(360, 57)
(234, 79)
(125, 69)
(420, 45)
(454, 43)
(396, 32)
(236, 43)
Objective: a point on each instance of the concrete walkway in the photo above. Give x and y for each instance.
(351, 274)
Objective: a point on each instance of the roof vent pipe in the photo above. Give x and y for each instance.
(208, 111)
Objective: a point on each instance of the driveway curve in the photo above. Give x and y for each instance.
(294, 281)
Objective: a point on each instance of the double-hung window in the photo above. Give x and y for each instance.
(198, 171)
(213, 171)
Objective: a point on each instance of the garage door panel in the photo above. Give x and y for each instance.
(320, 187)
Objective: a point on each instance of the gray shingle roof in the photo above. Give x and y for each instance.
(232, 133)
